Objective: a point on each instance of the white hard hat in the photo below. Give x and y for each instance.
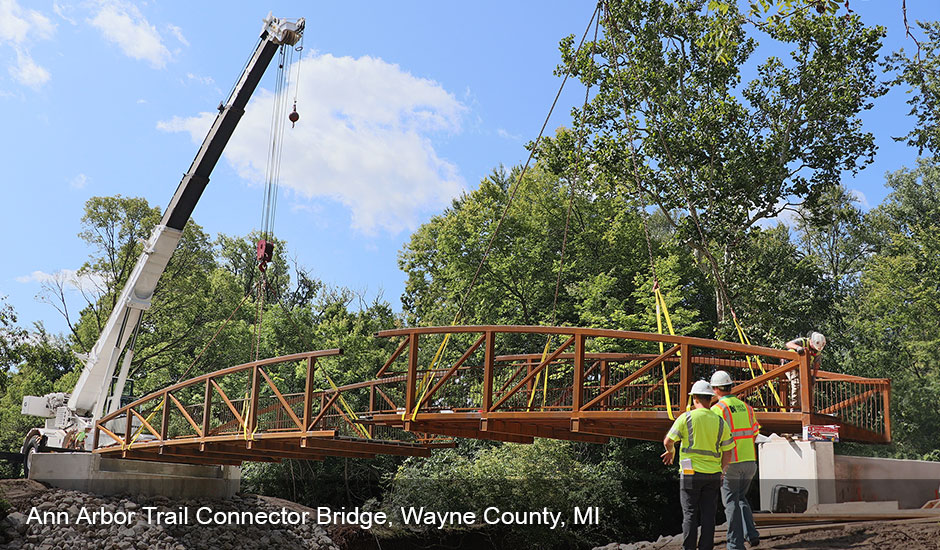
(702, 388)
(817, 340)
(721, 379)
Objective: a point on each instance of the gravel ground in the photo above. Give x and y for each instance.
(19, 532)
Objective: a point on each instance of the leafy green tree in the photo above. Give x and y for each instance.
(715, 156)
(834, 233)
(921, 74)
(12, 339)
(893, 322)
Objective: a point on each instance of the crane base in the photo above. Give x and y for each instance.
(95, 474)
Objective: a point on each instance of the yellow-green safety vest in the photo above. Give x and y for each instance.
(704, 437)
(744, 426)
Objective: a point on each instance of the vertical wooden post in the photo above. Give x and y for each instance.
(412, 378)
(488, 360)
(685, 375)
(806, 406)
(578, 386)
(308, 392)
(94, 444)
(372, 408)
(605, 380)
(127, 429)
(528, 370)
(886, 396)
(165, 421)
(206, 413)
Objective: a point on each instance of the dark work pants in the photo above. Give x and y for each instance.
(698, 494)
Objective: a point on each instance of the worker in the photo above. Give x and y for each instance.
(740, 472)
(705, 451)
(80, 437)
(813, 344)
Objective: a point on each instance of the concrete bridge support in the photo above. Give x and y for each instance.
(97, 474)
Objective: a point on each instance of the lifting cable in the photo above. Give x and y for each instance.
(514, 189)
(579, 149)
(719, 280)
(661, 308)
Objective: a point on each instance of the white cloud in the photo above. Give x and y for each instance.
(178, 33)
(68, 278)
(28, 72)
(79, 181)
(18, 27)
(364, 139)
(16, 23)
(506, 135)
(64, 11)
(204, 80)
(122, 23)
(860, 198)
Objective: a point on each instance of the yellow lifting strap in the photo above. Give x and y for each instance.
(428, 377)
(747, 341)
(348, 411)
(663, 311)
(246, 411)
(538, 375)
(141, 428)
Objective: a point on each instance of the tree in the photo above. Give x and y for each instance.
(921, 74)
(677, 126)
(833, 232)
(12, 340)
(894, 319)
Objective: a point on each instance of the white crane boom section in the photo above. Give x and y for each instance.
(95, 383)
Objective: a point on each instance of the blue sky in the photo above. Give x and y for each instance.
(403, 105)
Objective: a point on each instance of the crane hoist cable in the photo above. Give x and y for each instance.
(514, 189)
(719, 280)
(264, 251)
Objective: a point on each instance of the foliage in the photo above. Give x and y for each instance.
(921, 74)
(715, 156)
(546, 474)
(894, 318)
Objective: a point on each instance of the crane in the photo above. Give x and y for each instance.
(97, 389)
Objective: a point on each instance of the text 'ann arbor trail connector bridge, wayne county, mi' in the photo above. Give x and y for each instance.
(502, 383)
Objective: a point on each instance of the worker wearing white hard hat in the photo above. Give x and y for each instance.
(705, 450)
(740, 472)
(813, 344)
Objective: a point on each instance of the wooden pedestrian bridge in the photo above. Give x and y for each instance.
(503, 383)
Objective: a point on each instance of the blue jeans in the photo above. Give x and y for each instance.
(734, 488)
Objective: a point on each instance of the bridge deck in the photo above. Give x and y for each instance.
(445, 382)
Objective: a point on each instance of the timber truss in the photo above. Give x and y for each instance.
(568, 383)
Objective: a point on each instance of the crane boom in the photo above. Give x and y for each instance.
(91, 393)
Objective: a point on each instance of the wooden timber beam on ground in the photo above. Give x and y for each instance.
(783, 519)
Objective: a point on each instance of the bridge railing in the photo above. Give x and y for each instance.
(230, 403)
(582, 372)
